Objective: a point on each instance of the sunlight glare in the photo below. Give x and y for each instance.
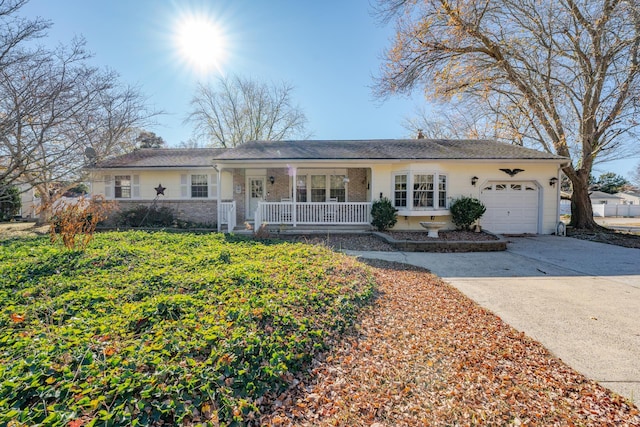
(201, 43)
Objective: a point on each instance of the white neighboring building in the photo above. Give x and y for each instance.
(629, 198)
(29, 202)
(602, 198)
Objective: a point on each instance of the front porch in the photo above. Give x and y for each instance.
(291, 196)
(313, 213)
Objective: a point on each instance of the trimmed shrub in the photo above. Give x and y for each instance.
(465, 211)
(146, 216)
(383, 215)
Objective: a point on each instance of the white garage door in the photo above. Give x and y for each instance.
(512, 207)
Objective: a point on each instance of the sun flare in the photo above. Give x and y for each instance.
(201, 43)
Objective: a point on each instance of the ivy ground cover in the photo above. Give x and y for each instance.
(159, 328)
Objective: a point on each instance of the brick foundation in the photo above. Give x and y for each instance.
(198, 211)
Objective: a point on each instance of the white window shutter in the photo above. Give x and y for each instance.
(108, 186)
(213, 186)
(135, 187)
(184, 186)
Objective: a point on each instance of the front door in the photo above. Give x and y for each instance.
(255, 195)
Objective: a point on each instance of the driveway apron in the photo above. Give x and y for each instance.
(580, 299)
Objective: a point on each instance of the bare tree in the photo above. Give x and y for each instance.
(112, 124)
(457, 121)
(635, 176)
(54, 106)
(562, 74)
(237, 110)
(14, 33)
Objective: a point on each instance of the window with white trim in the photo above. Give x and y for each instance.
(400, 191)
(321, 186)
(122, 186)
(442, 191)
(337, 191)
(198, 186)
(420, 191)
(301, 189)
(318, 188)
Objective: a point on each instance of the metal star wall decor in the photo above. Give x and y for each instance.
(160, 190)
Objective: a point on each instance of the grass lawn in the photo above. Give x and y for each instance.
(185, 329)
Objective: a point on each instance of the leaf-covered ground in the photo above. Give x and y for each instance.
(426, 355)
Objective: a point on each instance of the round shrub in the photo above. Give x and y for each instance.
(383, 214)
(465, 211)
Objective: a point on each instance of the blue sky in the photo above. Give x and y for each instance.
(328, 50)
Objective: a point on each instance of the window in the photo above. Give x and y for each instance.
(337, 190)
(420, 190)
(199, 186)
(318, 188)
(400, 191)
(301, 189)
(442, 191)
(122, 188)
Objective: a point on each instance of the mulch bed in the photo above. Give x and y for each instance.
(424, 354)
(609, 236)
(369, 242)
(446, 235)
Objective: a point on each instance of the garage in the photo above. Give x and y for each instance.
(512, 207)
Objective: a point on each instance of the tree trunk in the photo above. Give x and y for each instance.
(581, 209)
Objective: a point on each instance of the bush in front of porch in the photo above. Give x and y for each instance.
(383, 215)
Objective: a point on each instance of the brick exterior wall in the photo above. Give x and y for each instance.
(358, 179)
(205, 211)
(240, 198)
(280, 188)
(199, 211)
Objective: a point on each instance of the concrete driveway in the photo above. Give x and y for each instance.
(580, 299)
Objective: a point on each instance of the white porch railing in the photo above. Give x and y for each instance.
(228, 214)
(333, 213)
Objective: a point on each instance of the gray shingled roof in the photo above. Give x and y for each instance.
(376, 149)
(163, 157)
(381, 149)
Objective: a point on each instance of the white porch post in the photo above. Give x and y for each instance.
(218, 197)
(294, 197)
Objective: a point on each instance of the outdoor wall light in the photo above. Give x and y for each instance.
(553, 181)
(272, 179)
(474, 180)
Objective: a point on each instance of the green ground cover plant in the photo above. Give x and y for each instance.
(160, 328)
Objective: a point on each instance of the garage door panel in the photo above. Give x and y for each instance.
(511, 207)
